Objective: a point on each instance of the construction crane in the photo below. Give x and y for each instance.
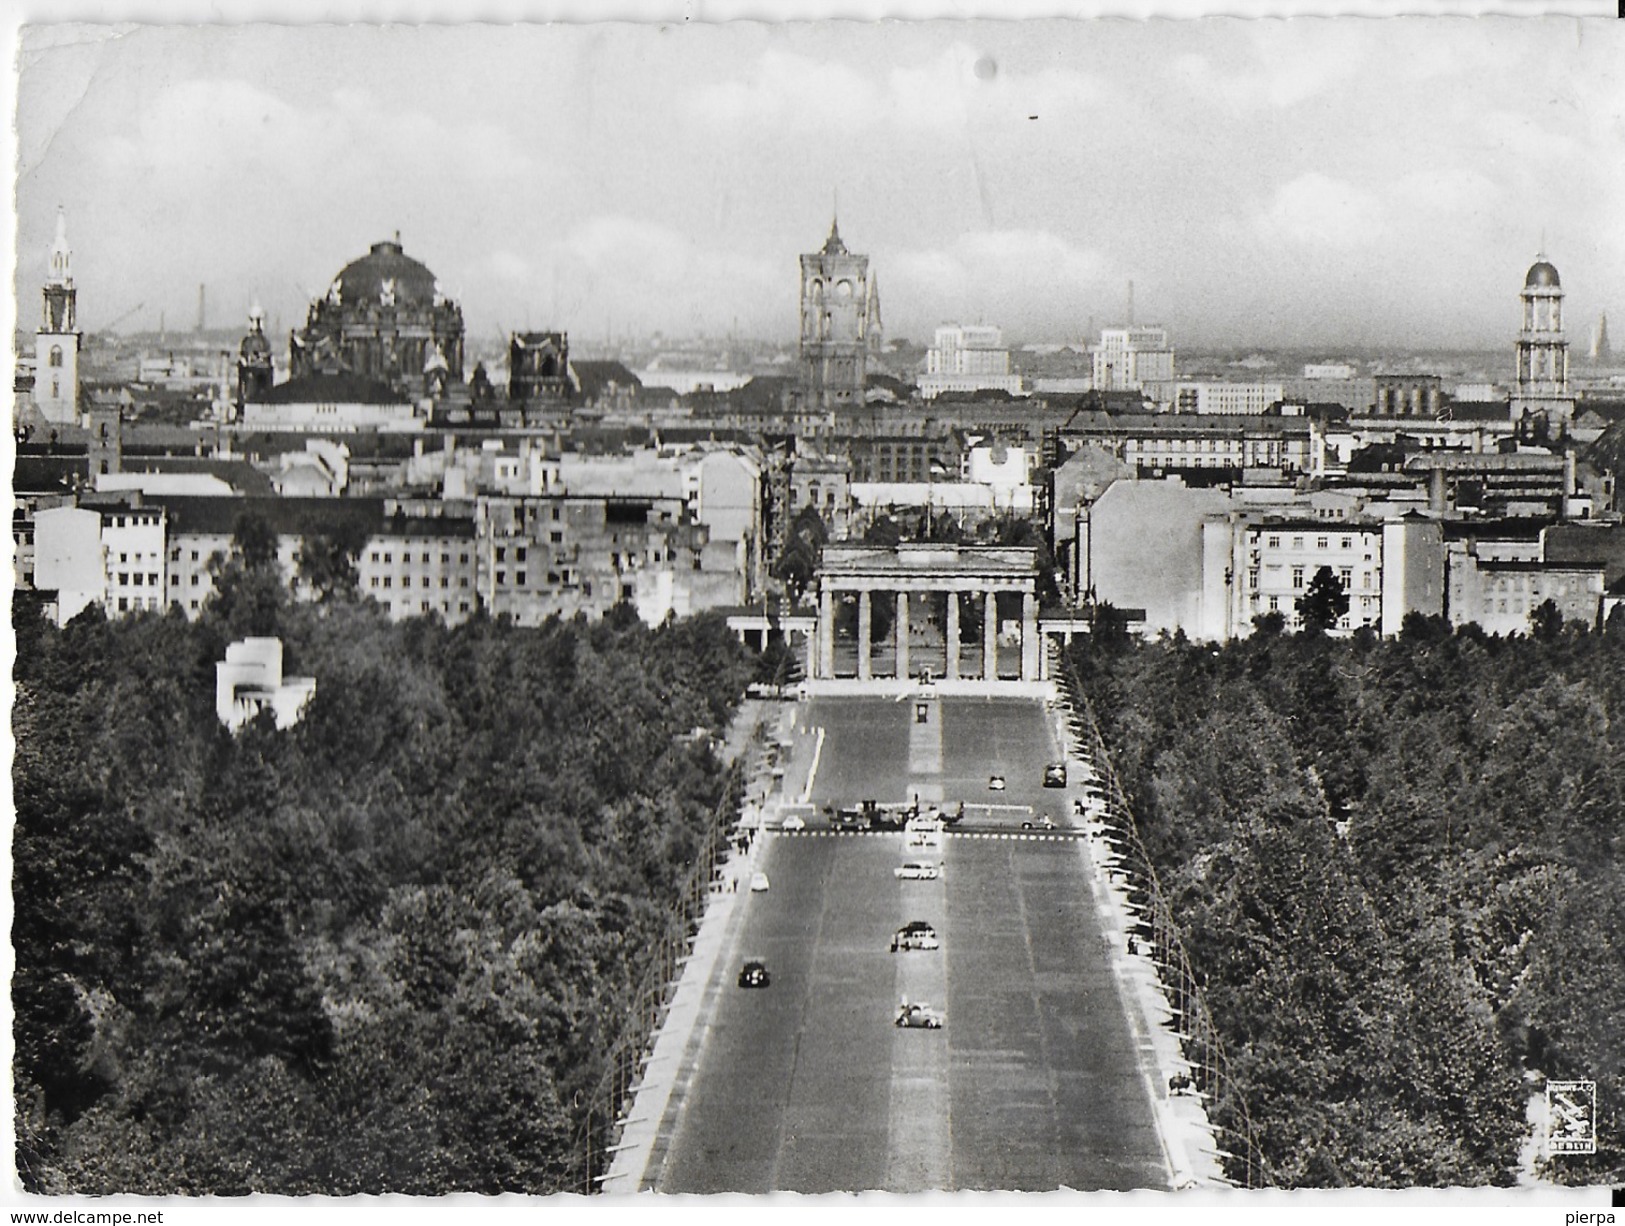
(122, 318)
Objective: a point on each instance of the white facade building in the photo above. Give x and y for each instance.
(1328, 370)
(1135, 358)
(68, 559)
(108, 555)
(968, 358)
(249, 680)
(1254, 565)
(1230, 399)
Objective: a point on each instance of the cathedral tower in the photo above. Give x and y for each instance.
(840, 322)
(56, 346)
(254, 366)
(1541, 386)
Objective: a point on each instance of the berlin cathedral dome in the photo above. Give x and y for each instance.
(384, 318)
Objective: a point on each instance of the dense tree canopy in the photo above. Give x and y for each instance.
(385, 950)
(1399, 870)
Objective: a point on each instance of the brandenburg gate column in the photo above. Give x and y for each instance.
(902, 636)
(953, 636)
(1029, 636)
(826, 631)
(863, 634)
(990, 639)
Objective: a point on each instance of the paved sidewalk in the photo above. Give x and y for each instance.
(651, 1109)
(1187, 1135)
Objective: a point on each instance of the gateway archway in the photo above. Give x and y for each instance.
(965, 615)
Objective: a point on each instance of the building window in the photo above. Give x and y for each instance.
(1297, 576)
(1274, 542)
(502, 577)
(1297, 542)
(502, 556)
(1348, 542)
(194, 580)
(373, 581)
(444, 581)
(519, 578)
(1345, 576)
(1321, 542)
(1275, 604)
(556, 537)
(519, 556)
(386, 581)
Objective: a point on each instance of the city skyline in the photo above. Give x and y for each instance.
(1312, 182)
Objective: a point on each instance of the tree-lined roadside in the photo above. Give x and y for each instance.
(384, 950)
(1398, 868)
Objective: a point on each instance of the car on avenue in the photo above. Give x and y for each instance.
(915, 935)
(754, 974)
(794, 822)
(1055, 775)
(995, 783)
(916, 870)
(1042, 822)
(758, 883)
(919, 1016)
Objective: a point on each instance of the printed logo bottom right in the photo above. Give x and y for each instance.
(1571, 1117)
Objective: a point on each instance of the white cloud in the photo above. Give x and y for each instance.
(1314, 210)
(1000, 276)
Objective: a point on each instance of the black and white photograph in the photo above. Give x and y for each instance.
(625, 610)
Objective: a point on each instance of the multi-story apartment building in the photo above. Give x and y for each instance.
(1157, 444)
(1500, 595)
(1232, 399)
(110, 555)
(968, 358)
(1135, 358)
(1257, 564)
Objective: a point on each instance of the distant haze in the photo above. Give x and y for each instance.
(1312, 182)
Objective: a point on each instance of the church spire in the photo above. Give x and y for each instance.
(833, 244)
(61, 269)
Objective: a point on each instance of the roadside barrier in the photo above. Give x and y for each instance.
(632, 1049)
(1199, 1041)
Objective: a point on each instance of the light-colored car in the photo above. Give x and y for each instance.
(794, 822)
(918, 1017)
(916, 870)
(758, 883)
(995, 783)
(1042, 822)
(915, 935)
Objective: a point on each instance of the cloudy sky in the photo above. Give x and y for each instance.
(1303, 182)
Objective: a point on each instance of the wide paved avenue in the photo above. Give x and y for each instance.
(1034, 1081)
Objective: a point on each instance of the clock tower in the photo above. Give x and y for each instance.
(840, 321)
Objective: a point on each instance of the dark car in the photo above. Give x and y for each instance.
(754, 975)
(1055, 775)
(915, 935)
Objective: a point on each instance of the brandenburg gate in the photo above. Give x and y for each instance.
(949, 613)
